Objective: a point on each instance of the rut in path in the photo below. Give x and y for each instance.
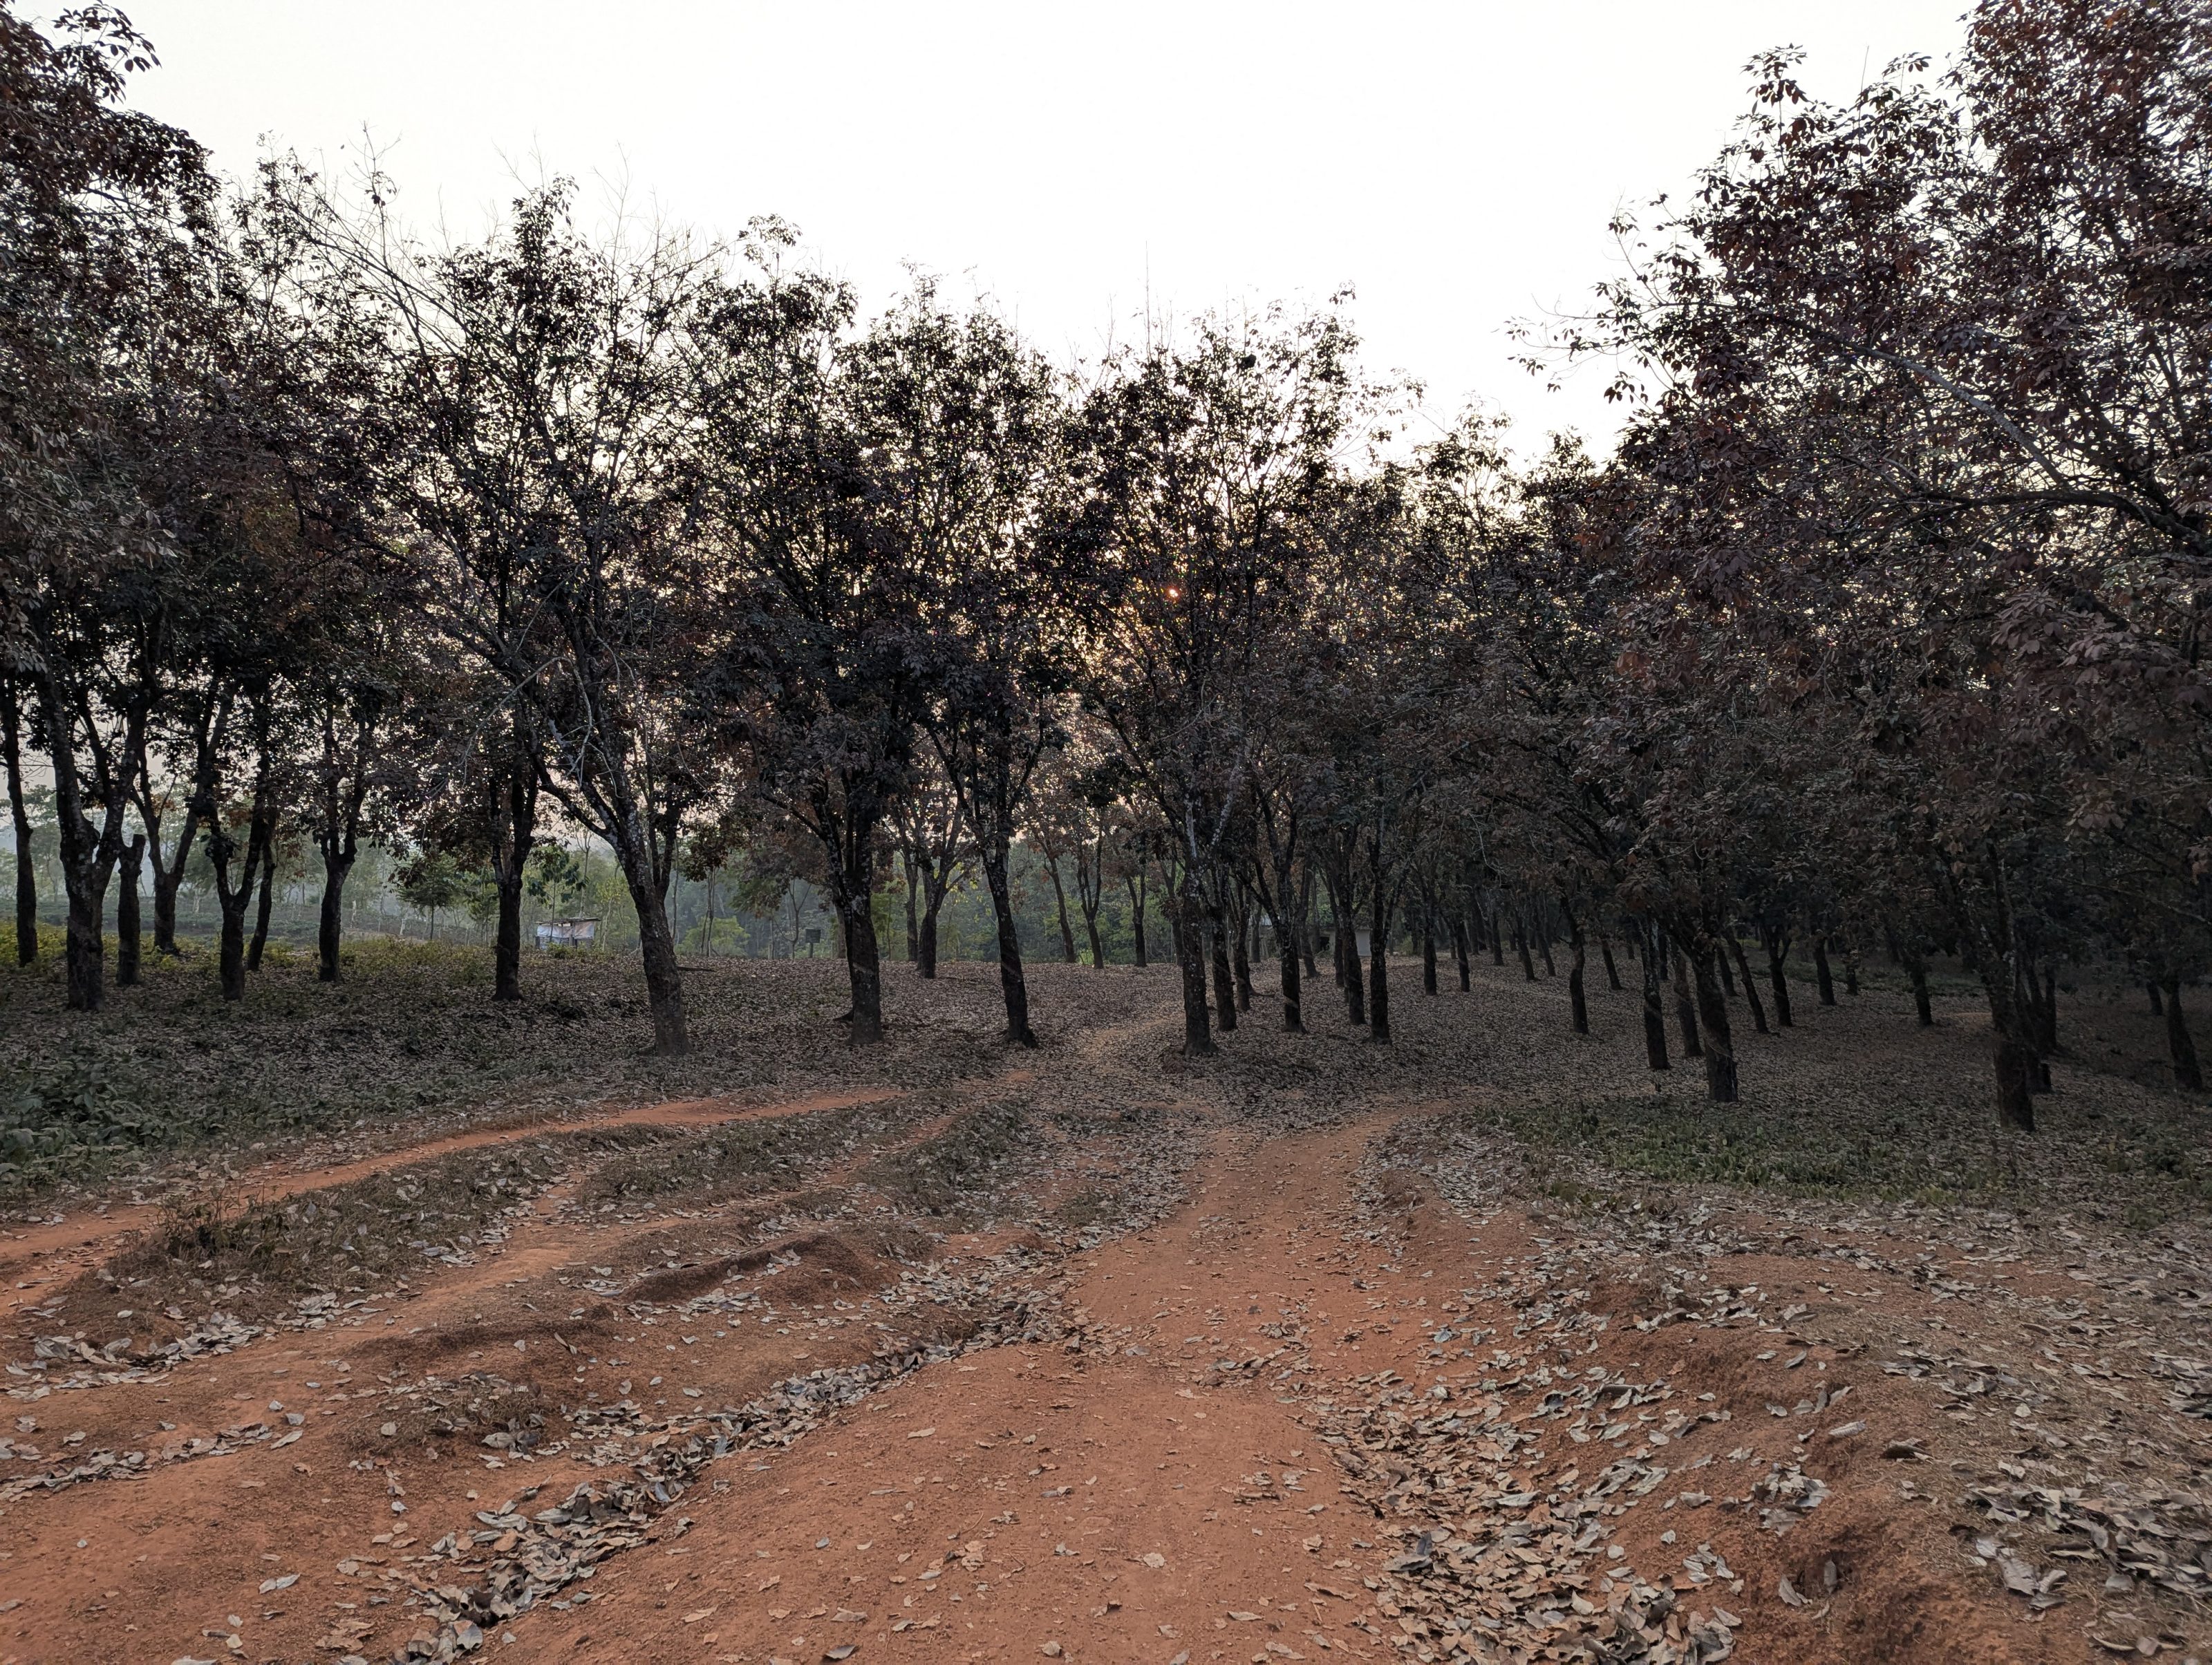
(41, 1256)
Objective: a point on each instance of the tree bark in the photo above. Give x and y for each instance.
(1059, 896)
(1685, 1006)
(514, 829)
(1750, 986)
(88, 852)
(1240, 960)
(1378, 954)
(1460, 952)
(1013, 985)
(1188, 923)
(1823, 979)
(260, 942)
(19, 811)
(1289, 938)
(1577, 1003)
(911, 873)
(1496, 939)
(2187, 1072)
(2157, 1006)
(127, 934)
(1777, 942)
(1520, 945)
(2012, 1051)
(1348, 967)
(1719, 1045)
(1137, 899)
(232, 895)
(1650, 952)
(664, 977)
(1612, 971)
(1428, 948)
(338, 864)
(1225, 988)
(924, 961)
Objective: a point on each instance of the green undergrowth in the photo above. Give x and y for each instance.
(411, 1033)
(2143, 1162)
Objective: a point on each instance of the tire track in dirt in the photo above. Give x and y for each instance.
(58, 1250)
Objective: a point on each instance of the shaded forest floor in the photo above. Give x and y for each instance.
(416, 1328)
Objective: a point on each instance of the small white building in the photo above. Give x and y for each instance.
(568, 933)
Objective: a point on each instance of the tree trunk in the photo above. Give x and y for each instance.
(1013, 985)
(1685, 1005)
(1428, 950)
(864, 968)
(167, 883)
(1348, 970)
(1497, 939)
(1777, 951)
(232, 898)
(127, 943)
(230, 950)
(1917, 969)
(2157, 1006)
(1578, 1004)
(1097, 945)
(1720, 1050)
(1544, 939)
(663, 978)
(1136, 889)
(912, 874)
(1305, 924)
(1189, 921)
(2011, 1049)
(1851, 965)
(1240, 960)
(2187, 1073)
(1728, 982)
(1823, 979)
(1520, 945)
(924, 961)
(337, 866)
(19, 811)
(1612, 971)
(261, 911)
(1378, 955)
(1289, 938)
(1460, 952)
(514, 830)
(1650, 953)
(1059, 896)
(1750, 986)
(1224, 986)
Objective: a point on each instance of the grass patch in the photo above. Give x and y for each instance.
(1847, 1147)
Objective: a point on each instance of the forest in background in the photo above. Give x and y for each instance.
(1878, 633)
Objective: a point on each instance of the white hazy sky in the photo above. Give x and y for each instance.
(1456, 163)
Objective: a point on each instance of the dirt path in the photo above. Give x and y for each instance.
(1325, 1404)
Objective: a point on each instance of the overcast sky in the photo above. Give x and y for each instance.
(1456, 164)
